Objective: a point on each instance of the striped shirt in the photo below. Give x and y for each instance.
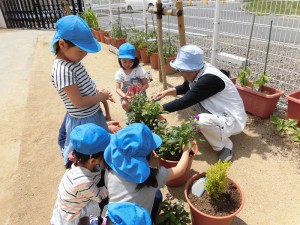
(77, 187)
(65, 74)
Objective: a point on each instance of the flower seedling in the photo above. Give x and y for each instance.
(173, 212)
(174, 137)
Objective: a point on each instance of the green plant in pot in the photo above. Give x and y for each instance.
(147, 111)
(152, 47)
(259, 83)
(243, 76)
(91, 18)
(170, 47)
(174, 137)
(221, 200)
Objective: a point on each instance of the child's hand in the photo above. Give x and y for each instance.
(106, 95)
(103, 192)
(114, 126)
(139, 85)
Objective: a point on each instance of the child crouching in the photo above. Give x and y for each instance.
(78, 194)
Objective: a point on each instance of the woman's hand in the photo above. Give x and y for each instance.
(160, 95)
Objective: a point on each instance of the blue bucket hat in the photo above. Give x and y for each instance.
(127, 51)
(127, 213)
(128, 149)
(75, 29)
(189, 58)
(89, 139)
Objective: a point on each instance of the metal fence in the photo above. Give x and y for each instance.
(236, 19)
(36, 14)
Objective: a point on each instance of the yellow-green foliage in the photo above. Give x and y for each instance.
(217, 181)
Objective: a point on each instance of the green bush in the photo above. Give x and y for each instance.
(217, 180)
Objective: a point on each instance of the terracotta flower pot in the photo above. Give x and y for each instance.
(102, 34)
(257, 103)
(96, 34)
(144, 56)
(169, 70)
(293, 109)
(154, 60)
(199, 217)
(117, 42)
(168, 164)
(108, 40)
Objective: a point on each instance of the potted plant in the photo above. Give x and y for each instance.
(118, 33)
(133, 38)
(293, 108)
(173, 212)
(222, 199)
(169, 53)
(147, 111)
(143, 42)
(152, 51)
(170, 151)
(92, 20)
(259, 99)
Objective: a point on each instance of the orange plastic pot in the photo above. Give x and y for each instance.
(200, 218)
(258, 103)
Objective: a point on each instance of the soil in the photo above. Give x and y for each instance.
(228, 202)
(265, 164)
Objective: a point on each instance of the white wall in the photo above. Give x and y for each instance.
(2, 21)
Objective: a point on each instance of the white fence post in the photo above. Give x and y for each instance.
(216, 23)
(110, 13)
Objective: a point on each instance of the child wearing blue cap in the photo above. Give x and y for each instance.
(72, 41)
(78, 194)
(130, 179)
(125, 213)
(131, 77)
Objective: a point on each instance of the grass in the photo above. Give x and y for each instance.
(273, 7)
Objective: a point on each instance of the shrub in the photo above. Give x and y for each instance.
(217, 181)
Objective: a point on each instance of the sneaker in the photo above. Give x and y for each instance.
(226, 154)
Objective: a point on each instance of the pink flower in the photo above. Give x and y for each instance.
(197, 117)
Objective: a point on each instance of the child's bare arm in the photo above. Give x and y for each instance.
(107, 112)
(81, 101)
(145, 84)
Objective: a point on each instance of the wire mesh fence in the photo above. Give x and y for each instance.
(236, 19)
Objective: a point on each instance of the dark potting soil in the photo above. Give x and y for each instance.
(228, 203)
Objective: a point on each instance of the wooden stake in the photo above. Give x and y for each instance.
(180, 21)
(160, 43)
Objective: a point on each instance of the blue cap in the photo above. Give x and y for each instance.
(75, 29)
(127, 213)
(128, 149)
(189, 58)
(89, 139)
(127, 51)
